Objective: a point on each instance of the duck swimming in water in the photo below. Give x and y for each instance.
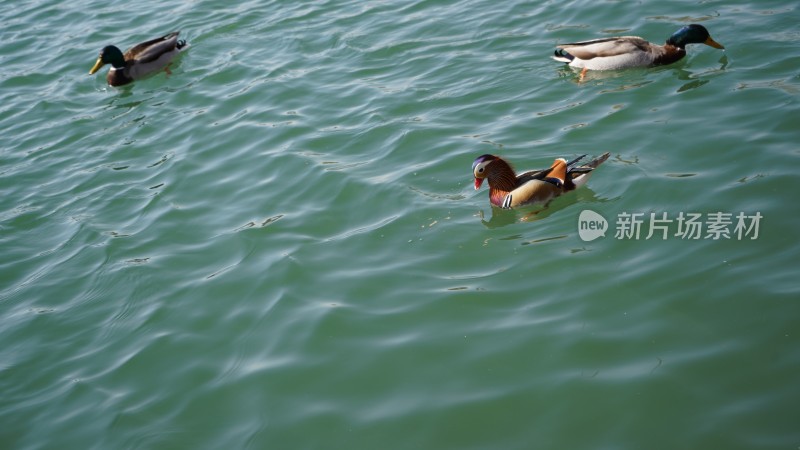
(624, 52)
(509, 190)
(140, 60)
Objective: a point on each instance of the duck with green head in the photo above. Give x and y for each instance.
(139, 61)
(624, 52)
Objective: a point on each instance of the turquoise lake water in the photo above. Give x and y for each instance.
(279, 244)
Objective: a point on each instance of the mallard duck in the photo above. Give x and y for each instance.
(623, 52)
(140, 60)
(509, 190)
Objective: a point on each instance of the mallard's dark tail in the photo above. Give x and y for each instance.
(562, 56)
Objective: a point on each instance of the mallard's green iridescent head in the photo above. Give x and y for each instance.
(109, 55)
(692, 34)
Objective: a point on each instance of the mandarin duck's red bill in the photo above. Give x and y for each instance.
(509, 190)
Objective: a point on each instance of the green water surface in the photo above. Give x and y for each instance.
(279, 244)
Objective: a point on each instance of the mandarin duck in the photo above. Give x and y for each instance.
(140, 60)
(509, 190)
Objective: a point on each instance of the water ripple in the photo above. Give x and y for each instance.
(279, 244)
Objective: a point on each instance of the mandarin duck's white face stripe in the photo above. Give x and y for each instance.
(479, 170)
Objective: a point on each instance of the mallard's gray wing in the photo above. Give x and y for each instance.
(153, 49)
(605, 47)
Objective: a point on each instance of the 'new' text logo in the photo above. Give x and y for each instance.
(591, 225)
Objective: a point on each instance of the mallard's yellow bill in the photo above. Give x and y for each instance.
(97, 66)
(713, 43)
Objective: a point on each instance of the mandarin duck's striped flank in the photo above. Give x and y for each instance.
(140, 60)
(632, 51)
(509, 190)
